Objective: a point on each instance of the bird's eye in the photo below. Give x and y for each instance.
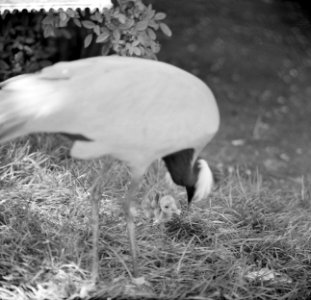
(166, 206)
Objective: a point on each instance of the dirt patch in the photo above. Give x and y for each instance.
(256, 57)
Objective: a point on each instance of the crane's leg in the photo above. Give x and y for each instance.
(128, 202)
(95, 197)
(95, 237)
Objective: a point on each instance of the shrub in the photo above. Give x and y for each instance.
(30, 41)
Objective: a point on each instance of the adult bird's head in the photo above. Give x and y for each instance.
(191, 172)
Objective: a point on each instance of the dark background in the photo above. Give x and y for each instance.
(256, 57)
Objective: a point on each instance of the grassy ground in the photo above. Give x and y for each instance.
(253, 242)
(210, 254)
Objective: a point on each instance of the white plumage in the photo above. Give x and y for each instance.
(134, 109)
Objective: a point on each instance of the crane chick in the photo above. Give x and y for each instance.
(161, 209)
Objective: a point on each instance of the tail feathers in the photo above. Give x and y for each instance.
(12, 120)
(25, 101)
(11, 130)
(14, 109)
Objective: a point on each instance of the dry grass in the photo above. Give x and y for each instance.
(45, 237)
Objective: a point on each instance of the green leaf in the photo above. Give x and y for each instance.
(155, 47)
(151, 34)
(142, 25)
(130, 49)
(48, 20)
(143, 38)
(141, 6)
(135, 43)
(129, 23)
(96, 30)
(48, 31)
(19, 56)
(28, 50)
(88, 24)
(88, 39)
(105, 49)
(153, 24)
(62, 23)
(4, 65)
(97, 17)
(30, 40)
(160, 16)
(122, 18)
(66, 34)
(165, 29)
(63, 16)
(150, 12)
(137, 51)
(71, 13)
(116, 34)
(103, 37)
(77, 22)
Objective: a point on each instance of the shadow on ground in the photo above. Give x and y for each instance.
(256, 57)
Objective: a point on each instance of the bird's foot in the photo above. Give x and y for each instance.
(140, 286)
(134, 287)
(87, 289)
(139, 280)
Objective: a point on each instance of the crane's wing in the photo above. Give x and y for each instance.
(121, 104)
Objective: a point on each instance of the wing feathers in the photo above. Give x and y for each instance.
(22, 99)
(10, 130)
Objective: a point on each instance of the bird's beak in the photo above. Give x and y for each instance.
(176, 213)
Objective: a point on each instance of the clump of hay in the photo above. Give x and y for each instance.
(185, 227)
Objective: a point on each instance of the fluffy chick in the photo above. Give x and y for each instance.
(161, 209)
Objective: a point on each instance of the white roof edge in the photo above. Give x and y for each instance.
(19, 5)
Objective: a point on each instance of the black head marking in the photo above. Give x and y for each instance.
(190, 193)
(179, 164)
(195, 177)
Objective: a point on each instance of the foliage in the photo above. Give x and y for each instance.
(22, 45)
(129, 27)
(31, 41)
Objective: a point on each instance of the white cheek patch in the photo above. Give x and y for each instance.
(205, 181)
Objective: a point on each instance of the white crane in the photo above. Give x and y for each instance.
(134, 109)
